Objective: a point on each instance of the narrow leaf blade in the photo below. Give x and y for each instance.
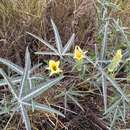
(104, 88)
(9, 83)
(57, 37)
(116, 86)
(69, 44)
(46, 108)
(26, 71)
(13, 66)
(75, 101)
(42, 88)
(46, 53)
(44, 42)
(25, 118)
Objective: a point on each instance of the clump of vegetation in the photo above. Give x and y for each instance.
(72, 84)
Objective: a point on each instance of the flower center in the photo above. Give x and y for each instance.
(79, 54)
(54, 68)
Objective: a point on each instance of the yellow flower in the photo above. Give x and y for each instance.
(115, 61)
(78, 53)
(118, 55)
(54, 67)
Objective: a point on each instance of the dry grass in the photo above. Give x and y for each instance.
(17, 17)
(124, 13)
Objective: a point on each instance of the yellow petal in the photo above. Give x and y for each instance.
(115, 61)
(51, 63)
(78, 53)
(57, 63)
(79, 49)
(119, 54)
(54, 67)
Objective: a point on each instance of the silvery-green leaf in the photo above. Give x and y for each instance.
(65, 102)
(115, 116)
(122, 116)
(30, 83)
(117, 26)
(104, 44)
(25, 117)
(104, 89)
(68, 44)
(75, 101)
(44, 42)
(42, 88)
(69, 54)
(60, 95)
(12, 80)
(45, 108)
(18, 80)
(9, 83)
(13, 66)
(64, 108)
(26, 71)
(46, 53)
(124, 108)
(113, 106)
(116, 86)
(75, 93)
(35, 67)
(57, 37)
